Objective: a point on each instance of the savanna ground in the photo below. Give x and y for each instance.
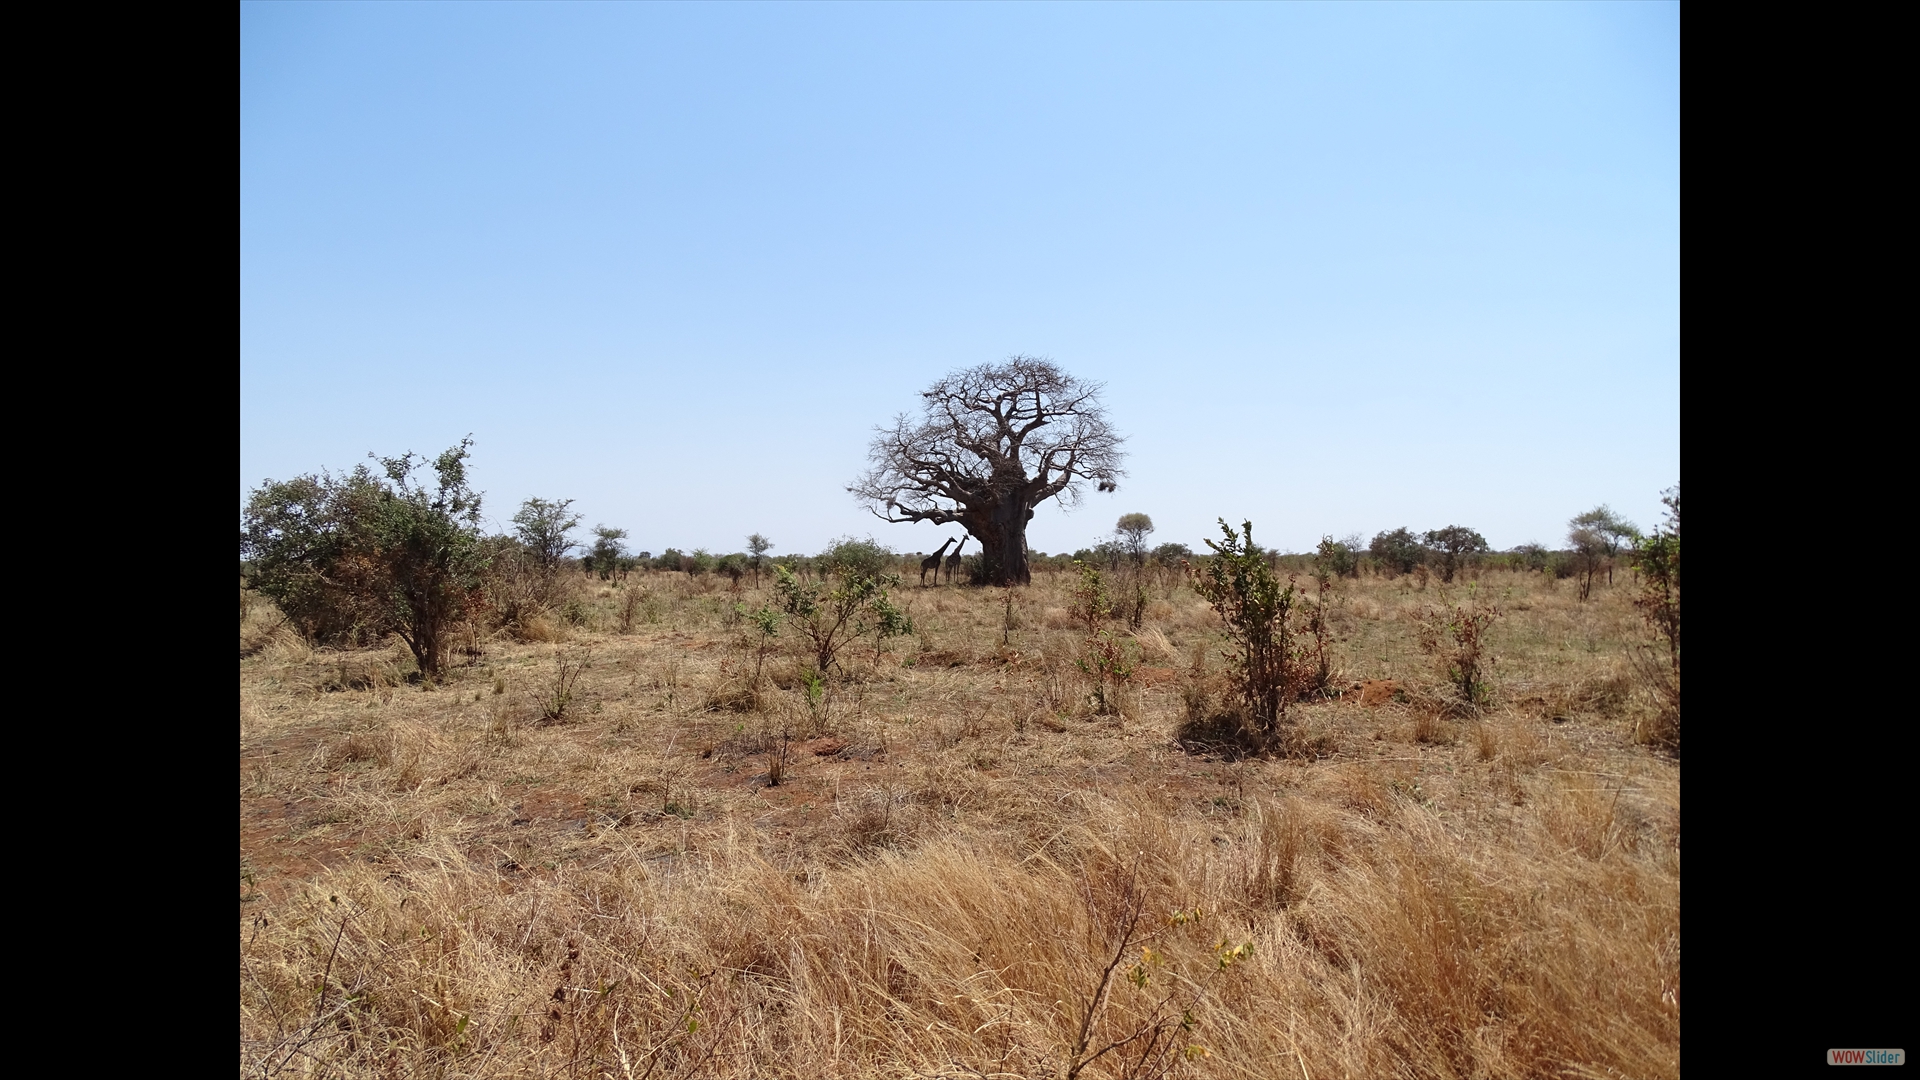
(964, 869)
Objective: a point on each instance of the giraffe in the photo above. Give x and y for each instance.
(932, 562)
(953, 560)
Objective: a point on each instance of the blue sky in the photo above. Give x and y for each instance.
(1341, 267)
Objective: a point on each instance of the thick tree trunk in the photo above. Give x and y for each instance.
(1001, 530)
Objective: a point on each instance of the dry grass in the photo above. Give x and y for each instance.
(434, 883)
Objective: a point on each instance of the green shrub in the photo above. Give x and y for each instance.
(1657, 558)
(1530, 557)
(1335, 559)
(1240, 584)
(359, 556)
(1454, 545)
(856, 557)
(1457, 634)
(848, 603)
(1398, 552)
(1172, 555)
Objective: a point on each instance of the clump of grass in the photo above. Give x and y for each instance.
(559, 692)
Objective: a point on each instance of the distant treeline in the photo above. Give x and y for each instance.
(1389, 554)
(351, 557)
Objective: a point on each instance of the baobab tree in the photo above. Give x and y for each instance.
(990, 444)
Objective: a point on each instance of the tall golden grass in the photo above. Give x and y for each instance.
(968, 872)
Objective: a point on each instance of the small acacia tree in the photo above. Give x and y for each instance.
(368, 554)
(1601, 534)
(543, 527)
(759, 546)
(1590, 547)
(1132, 529)
(1255, 607)
(1455, 544)
(608, 550)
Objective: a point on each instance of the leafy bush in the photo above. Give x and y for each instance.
(835, 611)
(1172, 555)
(1454, 545)
(359, 556)
(307, 545)
(1336, 558)
(1103, 658)
(1092, 600)
(1657, 557)
(857, 557)
(1457, 634)
(1531, 557)
(1256, 609)
(1398, 552)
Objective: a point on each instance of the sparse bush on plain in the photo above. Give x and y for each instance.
(353, 558)
(1457, 634)
(1257, 612)
(1530, 557)
(851, 557)
(633, 601)
(558, 694)
(1172, 555)
(732, 567)
(850, 603)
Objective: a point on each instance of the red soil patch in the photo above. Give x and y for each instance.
(1372, 692)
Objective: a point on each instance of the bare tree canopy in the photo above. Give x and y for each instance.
(990, 444)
